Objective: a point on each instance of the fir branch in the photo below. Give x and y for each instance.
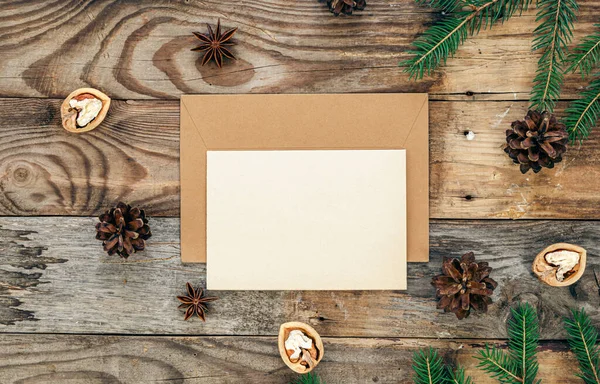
(582, 337)
(309, 378)
(523, 339)
(428, 367)
(443, 39)
(583, 114)
(552, 37)
(586, 54)
(520, 364)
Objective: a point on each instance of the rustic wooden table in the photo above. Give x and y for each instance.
(68, 312)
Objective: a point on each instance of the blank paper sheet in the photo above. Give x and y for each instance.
(306, 220)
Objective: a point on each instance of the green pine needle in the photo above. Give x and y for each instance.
(552, 37)
(520, 364)
(428, 367)
(586, 55)
(583, 114)
(582, 337)
(442, 40)
(498, 365)
(309, 378)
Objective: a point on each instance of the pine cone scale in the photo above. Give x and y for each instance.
(450, 270)
(480, 304)
(138, 244)
(533, 154)
(525, 144)
(481, 291)
(127, 247)
(450, 290)
(111, 243)
(547, 147)
(106, 228)
(465, 302)
(136, 224)
(145, 232)
(515, 144)
(131, 235)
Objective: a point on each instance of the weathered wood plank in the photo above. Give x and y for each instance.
(142, 50)
(55, 278)
(475, 179)
(211, 360)
(134, 156)
(44, 170)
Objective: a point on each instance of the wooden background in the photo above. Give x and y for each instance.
(69, 313)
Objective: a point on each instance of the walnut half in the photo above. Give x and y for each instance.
(84, 109)
(300, 346)
(560, 264)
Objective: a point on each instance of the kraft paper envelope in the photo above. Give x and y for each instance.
(307, 219)
(287, 122)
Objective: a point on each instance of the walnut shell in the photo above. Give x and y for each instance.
(69, 115)
(316, 352)
(547, 272)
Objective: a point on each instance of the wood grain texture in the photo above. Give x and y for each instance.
(142, 50)
(61, 282)
(475, 179)
(134, 156)
(233, 360)
(45, 170)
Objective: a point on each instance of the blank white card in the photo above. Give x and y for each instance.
(306, 220)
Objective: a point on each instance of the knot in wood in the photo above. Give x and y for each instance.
(21, 174)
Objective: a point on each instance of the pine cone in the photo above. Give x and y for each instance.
(464, 284)
(346, 6)
(536, 142)
(123, 230)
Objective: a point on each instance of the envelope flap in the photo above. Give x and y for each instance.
(189, 129)
(330, 121)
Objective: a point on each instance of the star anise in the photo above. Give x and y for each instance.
(214, 43)
(195, 302)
